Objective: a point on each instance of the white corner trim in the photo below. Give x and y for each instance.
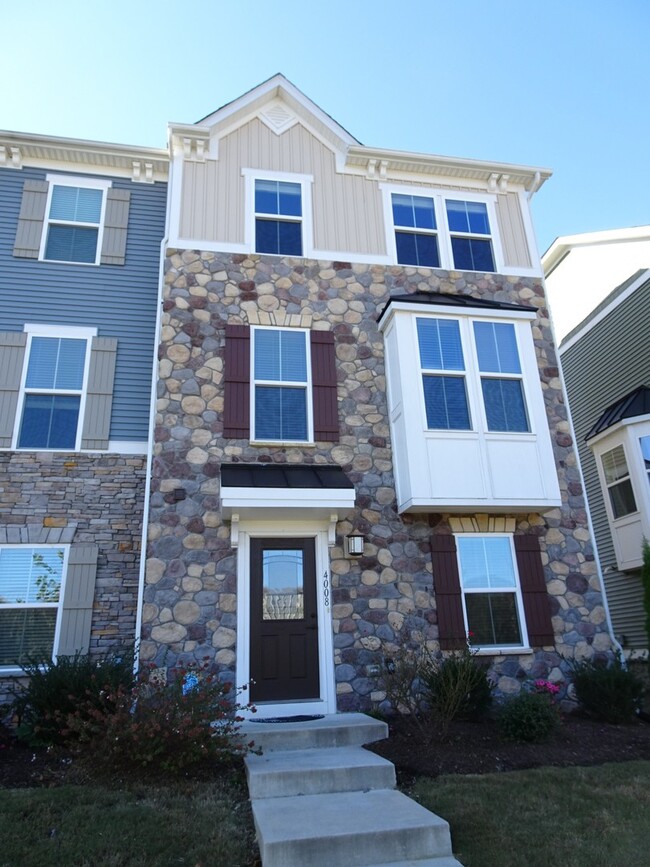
(10, 157)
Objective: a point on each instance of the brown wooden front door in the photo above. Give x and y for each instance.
(284, 620)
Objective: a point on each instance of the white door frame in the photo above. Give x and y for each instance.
(317, 530)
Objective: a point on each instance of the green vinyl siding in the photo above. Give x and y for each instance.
(604, 364)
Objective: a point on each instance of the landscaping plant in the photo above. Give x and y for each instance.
(58, 688)
(530, 716)
(159, 725)
(455, 686)
(607, 691)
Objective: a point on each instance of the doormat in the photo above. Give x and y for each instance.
(284, 719)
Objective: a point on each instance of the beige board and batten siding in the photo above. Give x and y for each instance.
(348, 214)
(347, 209)
(607, 362)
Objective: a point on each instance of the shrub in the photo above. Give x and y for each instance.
(456, 687)
(56, 689)
(609, 692)
(156, 725)
(400, 679)
(528, 717)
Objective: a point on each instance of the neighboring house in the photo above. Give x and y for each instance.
(581, 270)
(361, 439)
(81, 225)
(606, 366)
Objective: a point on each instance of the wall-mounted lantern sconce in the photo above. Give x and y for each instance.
(354, 545)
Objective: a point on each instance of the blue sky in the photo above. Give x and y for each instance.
(561, 84)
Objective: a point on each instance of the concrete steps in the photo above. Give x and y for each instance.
(318, 798)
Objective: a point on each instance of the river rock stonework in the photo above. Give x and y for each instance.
(383, 599)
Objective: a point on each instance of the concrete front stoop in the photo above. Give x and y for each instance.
(320, 799)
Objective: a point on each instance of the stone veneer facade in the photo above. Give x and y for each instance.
(52, 498)
(384, 598)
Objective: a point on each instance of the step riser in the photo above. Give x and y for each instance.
(281, 784)
(359, 849)
(310, 739)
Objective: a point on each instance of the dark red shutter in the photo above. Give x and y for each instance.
(446, 585)
(323, 381)
(533, 591)
(237, 382)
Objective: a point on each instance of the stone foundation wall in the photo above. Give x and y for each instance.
(384, 598)
(78, 498)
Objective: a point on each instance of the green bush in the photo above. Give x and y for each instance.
(56, 689)
(161, 726)
(607, 692)
(455, 687)
(528, 717)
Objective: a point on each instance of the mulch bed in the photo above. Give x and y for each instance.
(477, 748)
(469, 748)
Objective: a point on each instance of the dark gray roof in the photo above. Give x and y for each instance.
(635, 403)
(283, 476)
(444, 299)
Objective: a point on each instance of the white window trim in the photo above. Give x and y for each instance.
(472, 375)
(64, 331)
(317, 529)
(255, 440)
(439, 197)
(306, 220)
(490, 649)
(12, 669)
(71, 181)
(607, 486)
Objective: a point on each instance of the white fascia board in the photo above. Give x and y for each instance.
(270, 89)
(615, 302)
(452, 166)
(563, 245)
(84, 155)
(271, 502)
(454, 312)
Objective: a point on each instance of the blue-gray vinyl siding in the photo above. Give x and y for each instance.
(606, 363)
(119, 300)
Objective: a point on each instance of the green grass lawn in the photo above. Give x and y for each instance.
(576, 817)
(207, 824)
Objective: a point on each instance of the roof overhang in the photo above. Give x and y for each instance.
(18, 149)
(285, 493)
(418, 302)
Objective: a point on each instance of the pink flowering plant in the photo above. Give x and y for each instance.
(546, 687)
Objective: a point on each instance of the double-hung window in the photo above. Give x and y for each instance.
(443, 374)
(441, 230)
(281, 392)
(501, 379)
(278, 217)
(416, 231)
(644, 442)
(53, 391)
(619, 484)
(73, 225)
(31, 580)
(492, 601)
(471, 239)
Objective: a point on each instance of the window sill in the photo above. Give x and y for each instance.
(501, 651)
(284, 444)
(66, 262)
(12, 672)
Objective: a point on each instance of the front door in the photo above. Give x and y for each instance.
(283, 620)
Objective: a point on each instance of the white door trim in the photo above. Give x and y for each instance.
(318, 531)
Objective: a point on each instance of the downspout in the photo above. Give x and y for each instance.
(152, 423)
